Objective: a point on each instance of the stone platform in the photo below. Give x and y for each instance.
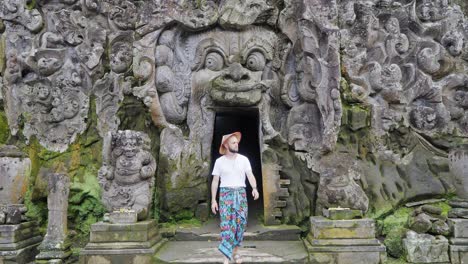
(459, 241)
(18, 243)
(122, 243)
(344, 242)
(184, 252)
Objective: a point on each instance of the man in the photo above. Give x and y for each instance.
(231, 169)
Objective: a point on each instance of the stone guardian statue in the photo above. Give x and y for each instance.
(126, 177)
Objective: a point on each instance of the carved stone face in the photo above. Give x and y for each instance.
(427, 61)
(392, 26)
(461, 99)
(121, 57)
(42, 91)
(71, 108)
(230, 65)
(453, 42)
(424, 117)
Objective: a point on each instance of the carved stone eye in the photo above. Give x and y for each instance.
(214, 61)
(255, 61)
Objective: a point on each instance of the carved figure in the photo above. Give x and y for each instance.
(126, 176)
(338, 187)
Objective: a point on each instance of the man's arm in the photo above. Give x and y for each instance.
(214, 191)
(253, 183)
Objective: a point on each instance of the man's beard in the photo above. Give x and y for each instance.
(233, 150)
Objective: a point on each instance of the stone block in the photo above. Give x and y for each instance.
(347, 258)
(357, 118)
(341, 213)
(18, 243)
(23, 255)
(122, 243)
(322, 228)
(16, 233)
(15, 170)
(344, 241)
(459, 227)
(137, 232)
(126, 217)
(459, 254)
(424, 248)
(202, 212)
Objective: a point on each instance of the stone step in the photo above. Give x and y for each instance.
(263, 233)
(184, 252)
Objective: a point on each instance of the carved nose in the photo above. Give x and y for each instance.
(237, 73)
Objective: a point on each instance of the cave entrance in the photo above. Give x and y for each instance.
(245, 120)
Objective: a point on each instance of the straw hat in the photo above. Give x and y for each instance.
(222, 149)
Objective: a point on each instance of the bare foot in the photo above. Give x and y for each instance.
(237, 258)
(226, 260)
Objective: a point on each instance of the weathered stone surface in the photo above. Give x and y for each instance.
(458, 254)
(458, 213)
(342, 213)
(19, 242)
(124, 217)
(420, 223)
(138, 232)
(322, 228)
(440, 227)
(424, 248)
(338, 187)
(54, 246)
(127, 174)
(459, 227)
(131, 243)
(458, 158)
(344, 241)
(15, 170)
(202, 211)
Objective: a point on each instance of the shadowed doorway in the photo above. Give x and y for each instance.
(245, 121)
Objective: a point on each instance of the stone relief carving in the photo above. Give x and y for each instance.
(127, 174)
(403, 61)
(338, 186)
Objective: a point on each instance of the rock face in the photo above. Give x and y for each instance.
(424, 248)
(127, 174)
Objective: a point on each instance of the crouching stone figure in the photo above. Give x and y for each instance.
(127, 174)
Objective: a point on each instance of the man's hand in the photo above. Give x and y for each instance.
(214, 207)
(255, 194)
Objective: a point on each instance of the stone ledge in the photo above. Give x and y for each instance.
(20, 244)
(123, 245)
(322, 228)
(343, 242)
(11, 228)
(123, 236)
(23, 255)
(125, 251)
(139, 226)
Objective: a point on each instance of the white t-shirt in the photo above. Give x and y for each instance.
(232, 172)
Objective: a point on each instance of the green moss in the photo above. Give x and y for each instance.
(395, 261)
(4, 129)
(183, 215)
(2, 48)
(393, 227)
(31, 4)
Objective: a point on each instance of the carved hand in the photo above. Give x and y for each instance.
(146, 172)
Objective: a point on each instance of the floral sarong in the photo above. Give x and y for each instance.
(233, 211)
